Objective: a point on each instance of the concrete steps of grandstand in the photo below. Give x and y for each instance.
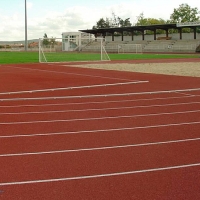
(178, 46)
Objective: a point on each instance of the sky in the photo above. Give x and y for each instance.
(54, 17)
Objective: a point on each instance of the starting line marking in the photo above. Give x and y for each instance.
(99, 148)
(100, 175)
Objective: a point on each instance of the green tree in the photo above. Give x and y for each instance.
(142, 21)
(124, 23)
(184, 14)
(45, 40)
(113, 22)
(102, 23)
(52, 41)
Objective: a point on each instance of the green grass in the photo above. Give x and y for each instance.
(18, 57)
(32, 57)
(67, 56)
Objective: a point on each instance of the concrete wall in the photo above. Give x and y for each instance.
(175, 36)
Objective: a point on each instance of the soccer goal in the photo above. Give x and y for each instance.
(130, 48)
(72, 49)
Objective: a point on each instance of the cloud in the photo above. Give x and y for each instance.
(73, 18)
(29, 5)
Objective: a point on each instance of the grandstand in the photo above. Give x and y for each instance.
(185, 46)
(156, 46)
(176, 46)
(169, 42)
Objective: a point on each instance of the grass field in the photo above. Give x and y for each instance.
(33, 57)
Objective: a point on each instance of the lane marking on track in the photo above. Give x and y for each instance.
(186, 94)
(99, 109)
(100, 130)
(100, 95)
(94, 102)
(100, 175)
(99, 148)
(99, 118)
(70, 73)
(73, 87)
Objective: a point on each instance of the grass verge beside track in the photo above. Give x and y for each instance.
(33, 57)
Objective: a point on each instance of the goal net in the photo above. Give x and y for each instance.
(130, 48)
(72, 49)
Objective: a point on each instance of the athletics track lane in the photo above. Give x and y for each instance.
(168, 183)
(62, 77)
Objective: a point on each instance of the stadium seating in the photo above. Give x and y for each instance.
(161, 45)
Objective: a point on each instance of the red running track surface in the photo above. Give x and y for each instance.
(61, 140)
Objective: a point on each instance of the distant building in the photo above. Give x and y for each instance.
(73, 40)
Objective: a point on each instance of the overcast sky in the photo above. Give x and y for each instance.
(56, 16)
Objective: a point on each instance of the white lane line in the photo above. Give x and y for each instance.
(73, 87)
(100, 95)
(70, 73)
(99, 118)
(100, 130)
(100, 175)
(95, 102)
(99, 109)
(99, 148)
(186, 94)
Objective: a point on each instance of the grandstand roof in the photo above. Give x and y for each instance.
(130, 28)
(136, 28)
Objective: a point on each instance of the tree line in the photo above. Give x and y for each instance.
(184, 13)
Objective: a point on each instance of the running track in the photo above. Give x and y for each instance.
(74, 133)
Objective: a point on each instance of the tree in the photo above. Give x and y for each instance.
(113, 22)
(48, 41)
(52, 41)
(184, 14)
(124, 23)
(102, 23)
(45, 35)
(142, 21)
(45, 40)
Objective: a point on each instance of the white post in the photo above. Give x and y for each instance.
(79, 42)
(101, 49)
(26, 43)
(39, 50)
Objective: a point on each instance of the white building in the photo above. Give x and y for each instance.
(73, 40)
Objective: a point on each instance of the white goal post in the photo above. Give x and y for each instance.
(72, 49)
(129, 48)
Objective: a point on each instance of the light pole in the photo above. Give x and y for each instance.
(26, 43)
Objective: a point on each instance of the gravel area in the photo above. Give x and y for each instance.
(180, 69)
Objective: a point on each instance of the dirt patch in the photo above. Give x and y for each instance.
(181, 68)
